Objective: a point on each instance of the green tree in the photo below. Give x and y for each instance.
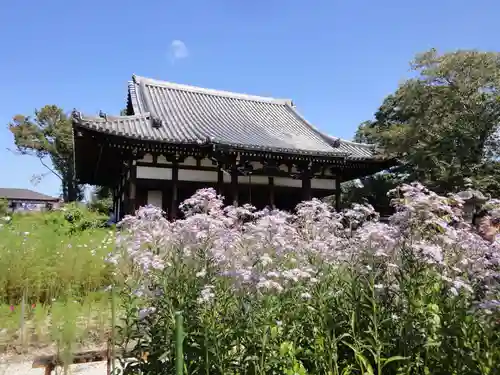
(48, 136)
(101, 199)
(443, 124)
(373, 190)
(4, 207)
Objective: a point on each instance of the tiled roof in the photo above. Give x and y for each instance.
(188, 114)
(354, 149)
(25, 195)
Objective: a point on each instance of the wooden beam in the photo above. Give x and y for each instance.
(234, 186)
(172, 214)
(306, 186)
(338, 192)
(132, 187)
(306, 175)
(114, 202)
(220, 180)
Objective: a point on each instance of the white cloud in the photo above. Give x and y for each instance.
(178, 50)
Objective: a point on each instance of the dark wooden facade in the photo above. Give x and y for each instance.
(164, 174)
(145, 162)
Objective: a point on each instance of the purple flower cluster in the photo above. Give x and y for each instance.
(269, 250)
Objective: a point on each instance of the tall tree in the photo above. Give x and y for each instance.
(443, 124)
(48, 136)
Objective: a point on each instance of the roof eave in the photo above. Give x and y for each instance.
(234, 147)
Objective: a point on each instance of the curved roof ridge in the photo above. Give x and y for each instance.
(360, 144)
(313, 127)
(133, 97)
(145, 115)
(137, 80)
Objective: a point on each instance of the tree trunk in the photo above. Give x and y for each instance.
(71, 190)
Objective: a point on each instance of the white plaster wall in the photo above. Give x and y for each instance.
(153, 173)
(287, 181)
(148, 158)
(283, 167)
(256, 180)
(326, 184)
(206, 162)
(189, 161)
(197, 176)
(256, 165)
(211, 176)
(155, 198)
(161, 159)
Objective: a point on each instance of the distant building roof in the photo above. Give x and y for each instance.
(25, 195)
(174, 113)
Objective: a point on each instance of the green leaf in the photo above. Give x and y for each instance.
(393, 359)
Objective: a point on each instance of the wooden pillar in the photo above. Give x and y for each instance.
(234, 186)
(174, 196)
(120, 206)
(338, 180)
(271, 193)
(165, 199)
(306, 186)
(126, 195)
(123, 196)
(115, 202)
(220, 180)
(132, 187)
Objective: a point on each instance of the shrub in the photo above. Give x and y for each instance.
(4, 207)
(315, 292)
(102, 206)
(74, 218)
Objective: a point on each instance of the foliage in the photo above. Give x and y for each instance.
(315, 292)
(68, 322)
(4, 207)
(48, 134)
(102, 206)
(443, 124)
(58, 273)
(74, 218)
(101, 200)
(44, 257)
(373, 191)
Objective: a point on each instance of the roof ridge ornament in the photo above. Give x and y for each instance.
(76, 115)
(103, 115)
(335, 142)
(156, 122)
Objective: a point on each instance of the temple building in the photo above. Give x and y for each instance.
(176, 139)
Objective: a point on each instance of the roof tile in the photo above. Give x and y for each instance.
(192, 114)
(25, 194)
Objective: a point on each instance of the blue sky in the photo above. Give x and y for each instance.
(336, 59)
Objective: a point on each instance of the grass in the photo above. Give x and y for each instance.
(62, 323)
(53, 279)
(388, 312)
